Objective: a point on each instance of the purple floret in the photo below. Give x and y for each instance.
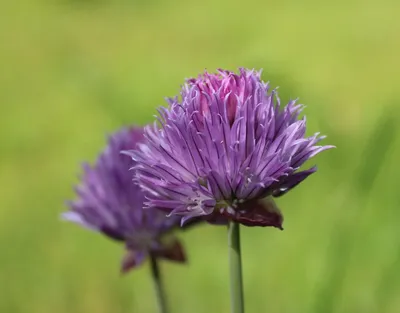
(222, 148)
(109, 201)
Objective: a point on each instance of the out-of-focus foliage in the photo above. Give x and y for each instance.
(74, 70)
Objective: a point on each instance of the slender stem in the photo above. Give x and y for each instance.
(158, 285)
(235, 266)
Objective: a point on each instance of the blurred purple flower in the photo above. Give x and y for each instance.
(111, 203)
(221, 149)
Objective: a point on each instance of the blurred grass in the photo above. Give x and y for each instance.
(74, 70)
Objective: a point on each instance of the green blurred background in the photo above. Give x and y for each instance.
(73, 71)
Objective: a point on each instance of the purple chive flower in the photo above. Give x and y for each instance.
(222, 148)
(111, 203)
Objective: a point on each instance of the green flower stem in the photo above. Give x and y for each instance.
(158, 285)
(235, 267)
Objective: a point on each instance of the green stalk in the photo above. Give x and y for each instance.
(158, 285)
(235, 267)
